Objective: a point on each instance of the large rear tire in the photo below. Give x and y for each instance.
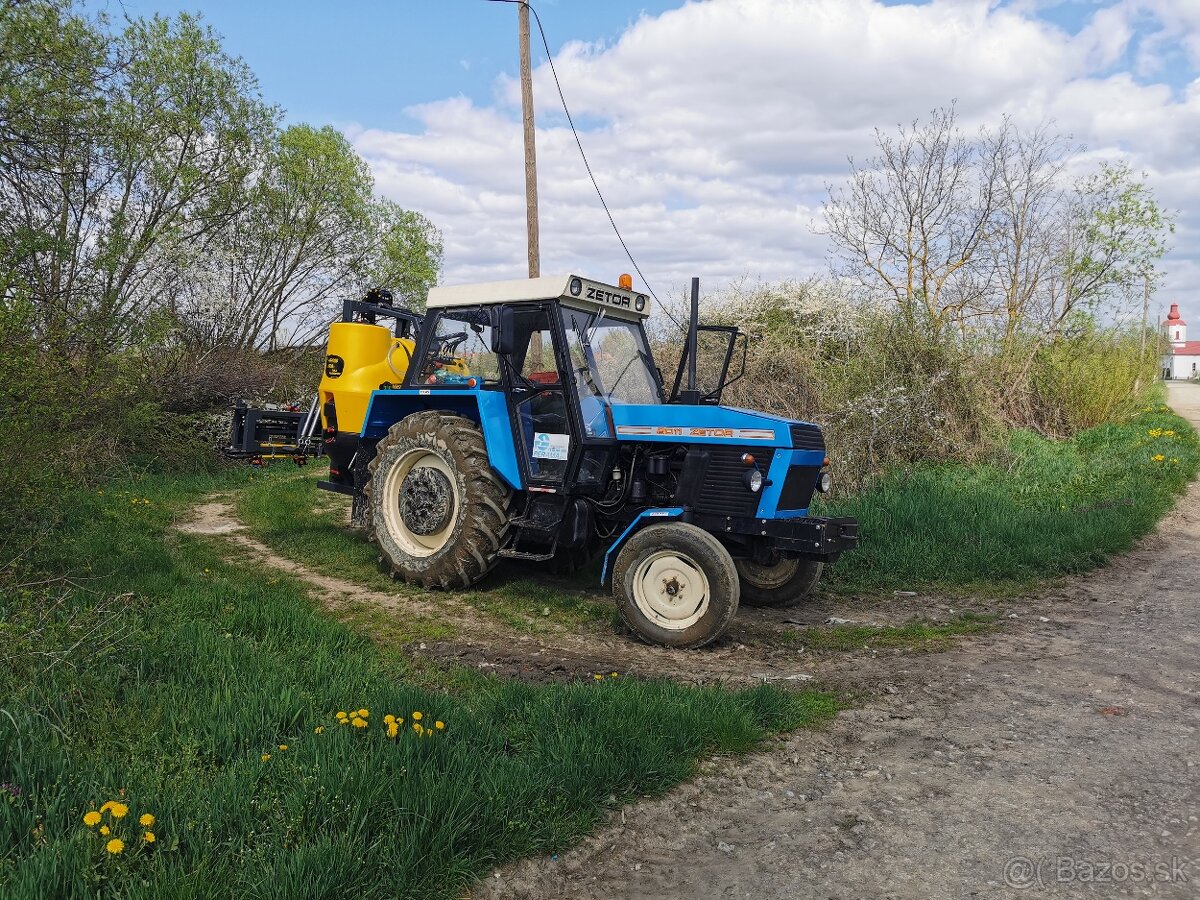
(782, 585)
(438, 511)
(676, 585)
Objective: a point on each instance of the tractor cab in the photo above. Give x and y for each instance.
(562, 351)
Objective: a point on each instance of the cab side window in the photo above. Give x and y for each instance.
(461, 349)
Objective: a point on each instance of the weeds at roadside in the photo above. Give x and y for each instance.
(1042, 510)
(917, 634)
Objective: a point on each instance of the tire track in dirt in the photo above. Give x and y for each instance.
(753, 652)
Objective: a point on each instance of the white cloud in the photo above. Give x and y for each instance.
(714, 127)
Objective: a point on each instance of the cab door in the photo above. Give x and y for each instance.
(538, 397)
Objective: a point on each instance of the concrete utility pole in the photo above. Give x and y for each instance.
(531, 200)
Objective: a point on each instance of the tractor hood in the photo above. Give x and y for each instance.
(675, 423)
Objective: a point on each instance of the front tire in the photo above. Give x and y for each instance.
(676, 585)
(438, 511)
(782, 585)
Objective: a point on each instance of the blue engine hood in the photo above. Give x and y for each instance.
(701, 425)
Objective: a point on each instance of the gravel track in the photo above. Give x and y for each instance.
(1056, 757)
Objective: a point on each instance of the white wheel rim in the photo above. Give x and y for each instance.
(768, 577)
(671, 590)
(410, 542)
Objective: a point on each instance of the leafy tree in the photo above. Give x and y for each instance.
(124, 155)
(408, 253)
(310, 234)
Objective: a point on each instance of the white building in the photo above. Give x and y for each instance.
(1183, 358)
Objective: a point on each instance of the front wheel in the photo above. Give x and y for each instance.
(676, 585)
(784, 584)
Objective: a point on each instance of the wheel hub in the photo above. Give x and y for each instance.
(426, 500)
(671, 590)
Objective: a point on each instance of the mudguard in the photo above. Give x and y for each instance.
(487, 409)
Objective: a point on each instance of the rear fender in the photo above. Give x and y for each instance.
(487, 409)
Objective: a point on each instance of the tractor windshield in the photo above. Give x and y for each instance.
(610, 363)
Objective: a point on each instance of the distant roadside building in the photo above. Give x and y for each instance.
(1183, 358)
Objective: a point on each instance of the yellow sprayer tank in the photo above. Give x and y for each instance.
(360, 358)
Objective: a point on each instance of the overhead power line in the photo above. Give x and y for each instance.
(583, 155)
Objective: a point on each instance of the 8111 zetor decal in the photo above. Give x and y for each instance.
(741, 434)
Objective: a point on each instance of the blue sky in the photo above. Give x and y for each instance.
(714, 127)
(368, 61)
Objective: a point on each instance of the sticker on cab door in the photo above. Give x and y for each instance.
(550, 446)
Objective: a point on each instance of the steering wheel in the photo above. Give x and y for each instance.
(451, 342)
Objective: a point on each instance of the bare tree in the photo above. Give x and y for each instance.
(913, 219)
(1023, 253)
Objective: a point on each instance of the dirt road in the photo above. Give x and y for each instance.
(1060, 757)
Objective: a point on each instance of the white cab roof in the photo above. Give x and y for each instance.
(574, 290)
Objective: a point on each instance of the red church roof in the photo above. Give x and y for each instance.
(1173, 316)
(1188, 348)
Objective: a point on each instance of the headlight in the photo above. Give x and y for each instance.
(754, 480)
(824, 482)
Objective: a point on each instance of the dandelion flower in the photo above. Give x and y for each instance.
(104, 829)
(389, 719)
(417, 716)
(358, 722)
(614, 675)
(118, 810)
(439, 725)
(318, 729)
(598, 677)
(1158, 457)
(341, 715)
(363, 713)
(91, 818)
(149, 837)
(417, 727)
(115, 846)
(392, 729)
(266, 756)
(146, 820)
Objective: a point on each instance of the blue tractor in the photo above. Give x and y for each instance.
(527, 420)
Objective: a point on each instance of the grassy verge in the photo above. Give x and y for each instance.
(917, 634)
(1048, 509)
(171, 681)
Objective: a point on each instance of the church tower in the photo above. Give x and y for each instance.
(1175, 328)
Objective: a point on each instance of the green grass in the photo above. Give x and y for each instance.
(917, 634)
(161, 674)
(286, 511)
(1046, 509)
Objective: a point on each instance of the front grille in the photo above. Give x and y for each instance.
(807, 437)
(798, 487)
(723, 491)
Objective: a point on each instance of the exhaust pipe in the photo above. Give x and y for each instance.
(691, 395)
